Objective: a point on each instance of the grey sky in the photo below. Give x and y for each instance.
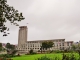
(48, 19)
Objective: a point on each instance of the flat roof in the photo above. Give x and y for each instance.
(46, 40)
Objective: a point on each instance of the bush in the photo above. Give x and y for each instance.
(14, 52)
(34, 53)
(31, 52)
(3, 58)
(18, 55)
(57, 51)
(51, 51)
(44, 58)
(7, 55)
(70, 57)
(61, 51)
(65, 57)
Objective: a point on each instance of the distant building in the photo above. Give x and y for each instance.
(25, 46)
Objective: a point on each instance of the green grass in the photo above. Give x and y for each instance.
(33, 57)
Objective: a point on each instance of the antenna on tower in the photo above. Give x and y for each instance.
(27, 23)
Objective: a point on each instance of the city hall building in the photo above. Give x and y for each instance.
(25, 46)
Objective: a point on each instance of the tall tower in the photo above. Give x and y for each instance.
(22, 37)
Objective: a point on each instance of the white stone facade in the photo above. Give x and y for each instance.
(25, 46)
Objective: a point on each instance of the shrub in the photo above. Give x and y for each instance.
(7, 55)
(31, 52)
(14, 52)
(57, 51)
(3, 58)
(39, 51)
(51, 51)
(44, 58)
(69, 57)
(65, 57)
(18, 55)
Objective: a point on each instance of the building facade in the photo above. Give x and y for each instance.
(22, 36)
(25, 46)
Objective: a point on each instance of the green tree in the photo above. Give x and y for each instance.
(8, 13)
(74, 47)
(8, 46)
(0, 46)
(79, 48)
(47, 44)
(50, 44)
(13, 47)
(31, 51)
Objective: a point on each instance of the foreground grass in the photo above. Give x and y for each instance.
(33, 57)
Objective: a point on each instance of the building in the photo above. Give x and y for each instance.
(24, 46)
(22, 37)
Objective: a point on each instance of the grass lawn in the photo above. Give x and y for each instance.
(33, 57)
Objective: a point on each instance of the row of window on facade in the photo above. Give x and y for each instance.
(62, 44)
(28, 48)
(55, 45)
(31, 46)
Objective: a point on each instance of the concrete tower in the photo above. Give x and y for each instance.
(22, 37)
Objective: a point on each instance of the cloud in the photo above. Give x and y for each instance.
(12, 37)
(48, 19)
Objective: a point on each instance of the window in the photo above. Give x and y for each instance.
(38, 45)
(57, 45)
(62, 48)
(67, 43)
(62, 44)
(33, 45)
(56, 40)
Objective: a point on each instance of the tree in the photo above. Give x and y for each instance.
(74, 47)
(41, 49)
(0, 46)
(79, 48)
(8, 13)
(31, 51)
(10, 48)
(47, 44)
(50, 44)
